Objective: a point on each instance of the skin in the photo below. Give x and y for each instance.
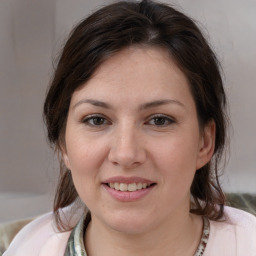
(127, 139)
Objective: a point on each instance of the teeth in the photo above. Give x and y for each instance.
(116, 186)
(128, 187)
(123, 187)
(139, 186)
(132, 187)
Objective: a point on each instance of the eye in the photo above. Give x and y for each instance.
(95, 120)
(160, 120)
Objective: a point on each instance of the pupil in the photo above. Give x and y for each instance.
(159, 121)
(98, 120)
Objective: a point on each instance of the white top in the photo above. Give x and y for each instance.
(236, 236)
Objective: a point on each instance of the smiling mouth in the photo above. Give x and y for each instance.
(130, 187)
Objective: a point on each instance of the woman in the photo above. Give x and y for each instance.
(136, 110)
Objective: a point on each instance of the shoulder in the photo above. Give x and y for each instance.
(240, 218)
(41, 237)
(235, 235)
(33, 237)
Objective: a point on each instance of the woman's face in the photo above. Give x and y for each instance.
(133, 143)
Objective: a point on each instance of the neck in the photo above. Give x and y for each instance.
(178, 236)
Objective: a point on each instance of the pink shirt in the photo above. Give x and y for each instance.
(236, 236)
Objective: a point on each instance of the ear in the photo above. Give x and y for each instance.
(64, 156)
(66, 160)
(207, 144)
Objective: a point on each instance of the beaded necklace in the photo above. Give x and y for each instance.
(75, 245)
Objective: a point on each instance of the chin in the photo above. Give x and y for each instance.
(129, 223)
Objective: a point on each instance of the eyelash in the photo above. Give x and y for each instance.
(93, 118)
(165, 120)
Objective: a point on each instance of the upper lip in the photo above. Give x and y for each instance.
(127, 180)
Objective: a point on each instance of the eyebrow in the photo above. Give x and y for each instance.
(152, 104)
(159, 103)
(96, 103)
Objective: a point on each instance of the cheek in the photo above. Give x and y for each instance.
(82, 160)
(83, 163)
(176, 158)
(181, 149)
(86, 157)
(84, 152)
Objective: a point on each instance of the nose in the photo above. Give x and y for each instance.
(127, 147)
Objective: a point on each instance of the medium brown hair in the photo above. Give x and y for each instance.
(144, 23)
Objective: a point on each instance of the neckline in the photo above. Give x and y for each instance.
(204, 238)
(75, 245)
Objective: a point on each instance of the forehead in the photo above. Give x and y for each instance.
(138, 60)
(138, 72)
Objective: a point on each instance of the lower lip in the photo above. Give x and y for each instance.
(128, 196)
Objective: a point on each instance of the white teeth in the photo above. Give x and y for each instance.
(123, 187)
(128, 187)
(132, 187)
(117, 186)
(139, 185)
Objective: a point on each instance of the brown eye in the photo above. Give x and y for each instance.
(95, 120)
(160, 120)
